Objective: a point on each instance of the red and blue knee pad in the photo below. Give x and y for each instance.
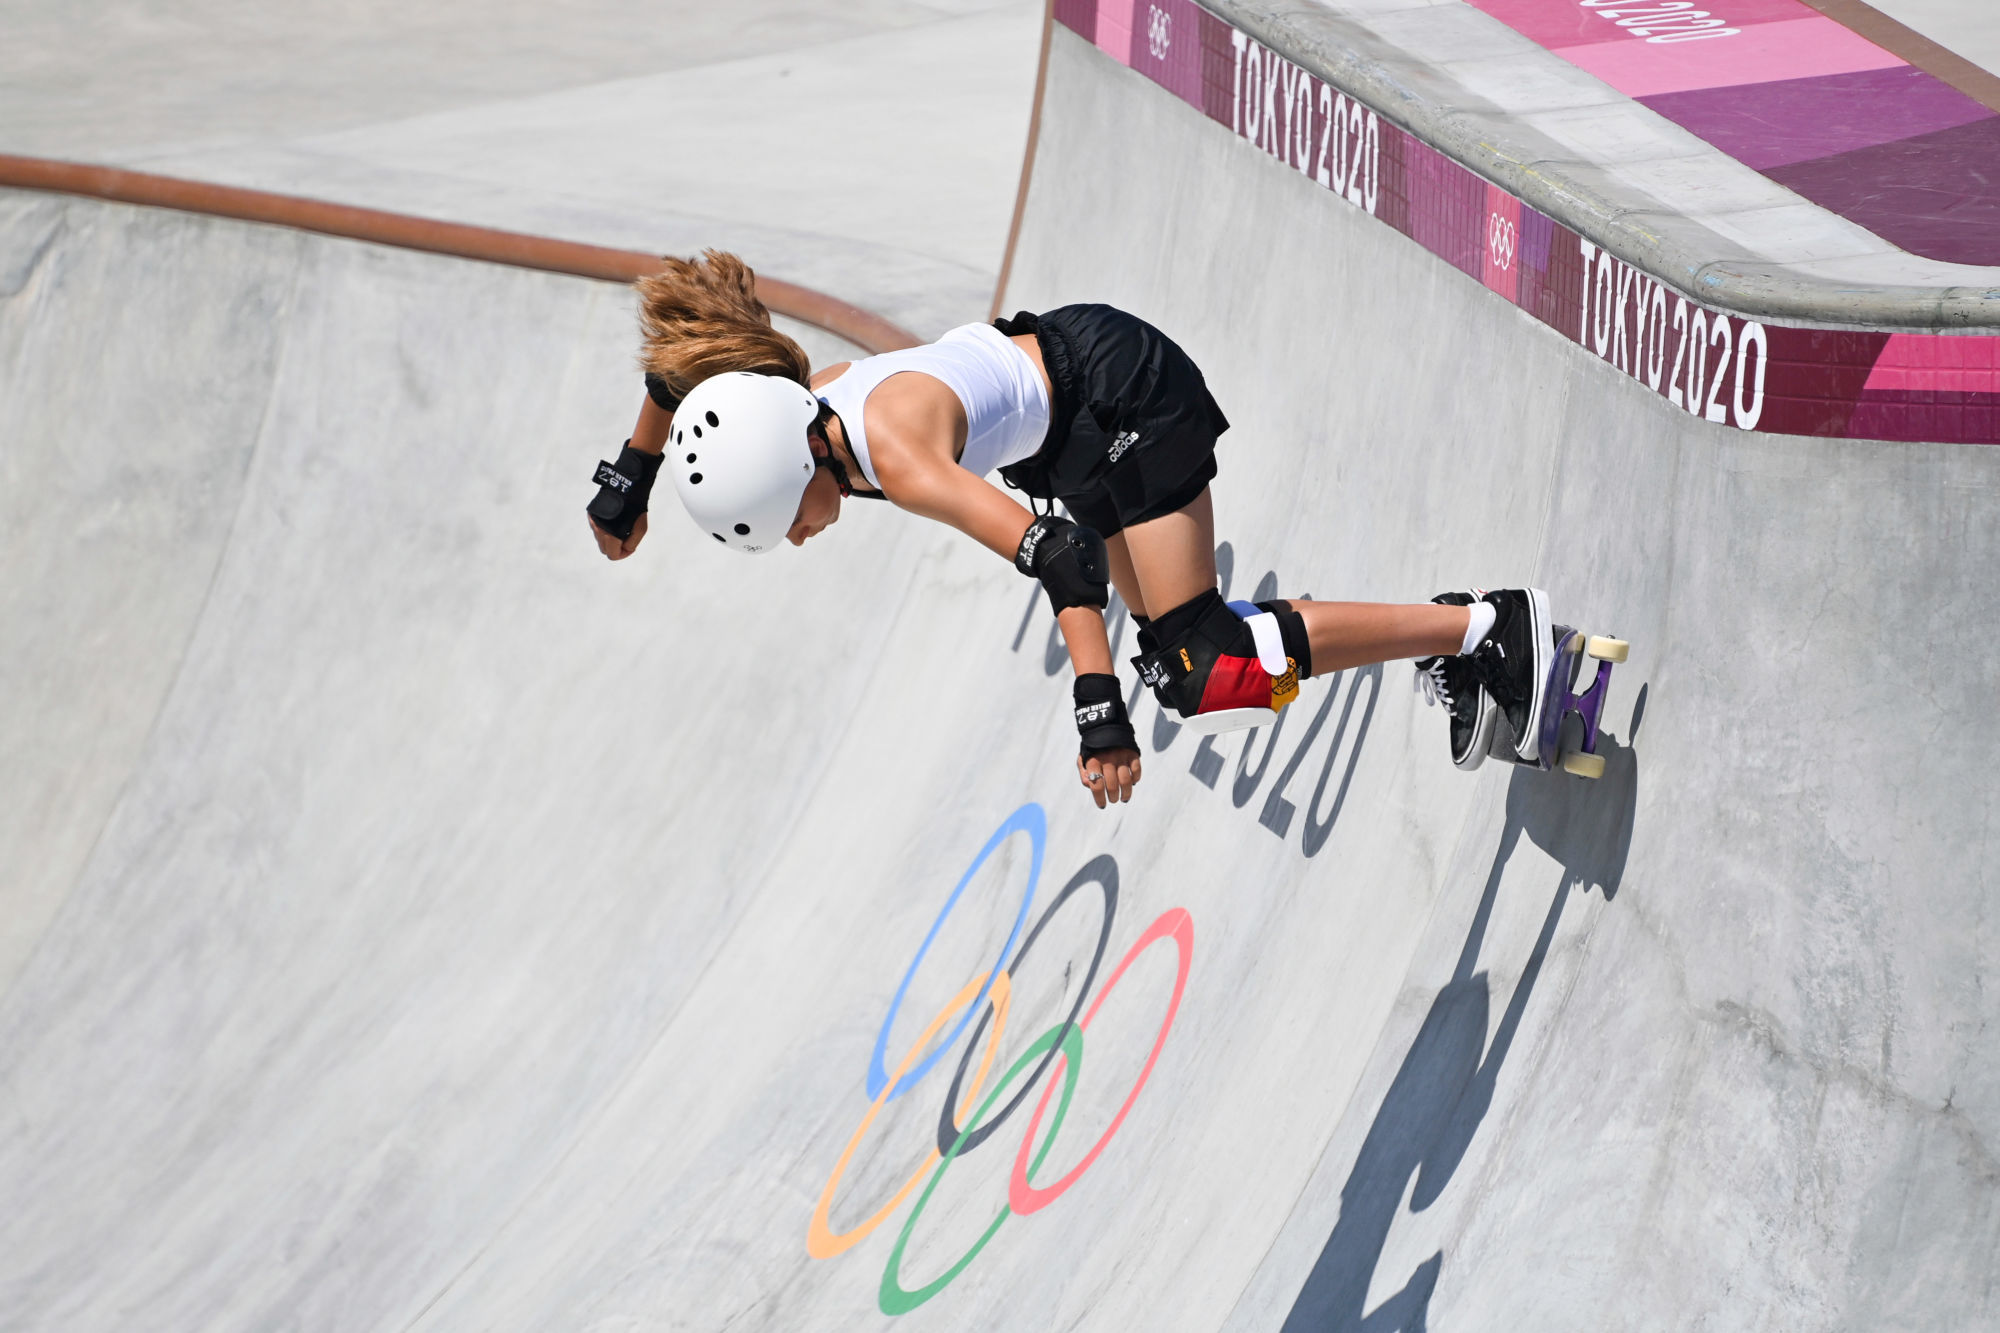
(1209, 656)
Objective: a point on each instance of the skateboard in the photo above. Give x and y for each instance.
(1560, 698)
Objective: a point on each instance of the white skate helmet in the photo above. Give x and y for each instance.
(739, 456)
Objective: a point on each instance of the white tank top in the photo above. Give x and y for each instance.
(1006, 403)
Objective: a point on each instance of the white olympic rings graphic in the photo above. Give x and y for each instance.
(1501, 239)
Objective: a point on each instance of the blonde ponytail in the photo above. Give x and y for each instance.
(701, 317)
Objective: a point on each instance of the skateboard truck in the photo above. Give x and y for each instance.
(1560, 698)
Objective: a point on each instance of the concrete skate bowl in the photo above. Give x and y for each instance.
(414, 922)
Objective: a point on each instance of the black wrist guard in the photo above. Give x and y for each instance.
(622, 488)
(1100, 715)
(1069, 560)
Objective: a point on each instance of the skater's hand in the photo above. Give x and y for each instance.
(613, 548)
(1109, 776)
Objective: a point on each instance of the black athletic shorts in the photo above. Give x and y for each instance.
(1132, 429)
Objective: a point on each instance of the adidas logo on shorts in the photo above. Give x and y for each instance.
(1124, 440)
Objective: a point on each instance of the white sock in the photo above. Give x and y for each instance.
(1481, 622)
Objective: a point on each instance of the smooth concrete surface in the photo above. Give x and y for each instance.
(1706, 1045)
(264, 724)
(416, 923)
(868, 150)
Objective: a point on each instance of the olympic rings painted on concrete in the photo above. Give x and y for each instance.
(821, 1241)
(1102, 871)
(1025, 1198)
(959, 1133)
(1028, 819)
(895, 1300)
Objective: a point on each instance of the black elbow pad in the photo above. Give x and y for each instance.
(1069, 560)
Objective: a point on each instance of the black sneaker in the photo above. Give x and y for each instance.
(1512, 661)
(1450, 680)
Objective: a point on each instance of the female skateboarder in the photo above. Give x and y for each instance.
(1084, 404)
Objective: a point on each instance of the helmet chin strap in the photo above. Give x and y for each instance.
(830, 460)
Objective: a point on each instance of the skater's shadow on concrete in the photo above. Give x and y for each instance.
(1446, 1084)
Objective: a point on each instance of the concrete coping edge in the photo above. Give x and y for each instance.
(458, 240)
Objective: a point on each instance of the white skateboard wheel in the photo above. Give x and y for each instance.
(1584, 765)
(1606, 649)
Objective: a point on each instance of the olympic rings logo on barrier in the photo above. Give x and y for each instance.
(1501, 240)
(958, 1132)
(1159, 31)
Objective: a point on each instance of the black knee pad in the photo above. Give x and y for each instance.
(1292, 626)
(1207, 659)
(1070, 561)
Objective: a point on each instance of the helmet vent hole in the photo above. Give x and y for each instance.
(679, 435)
(695, 478)
(690, 458)
(719, 537)
(743, 529)
(697, 432)
(713, 421)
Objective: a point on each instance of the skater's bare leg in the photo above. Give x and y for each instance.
(1351, 634)
(1172, 560)
(1122, 576)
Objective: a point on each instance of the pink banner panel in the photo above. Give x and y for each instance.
(1953, 365)
(1167, 46)
(1114, 29)
(1797, 95)
(1763, 54)
(1560, 23)
(1503, 242)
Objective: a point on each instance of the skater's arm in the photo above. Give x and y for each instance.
(649, 435)
(650, 431)
(996, 521)
(1089, 646)
(941, 489)
(948, 493)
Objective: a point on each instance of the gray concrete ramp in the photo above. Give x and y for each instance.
(1704, 1044)
(412, 922)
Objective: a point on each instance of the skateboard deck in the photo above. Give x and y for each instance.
(1560, 698)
